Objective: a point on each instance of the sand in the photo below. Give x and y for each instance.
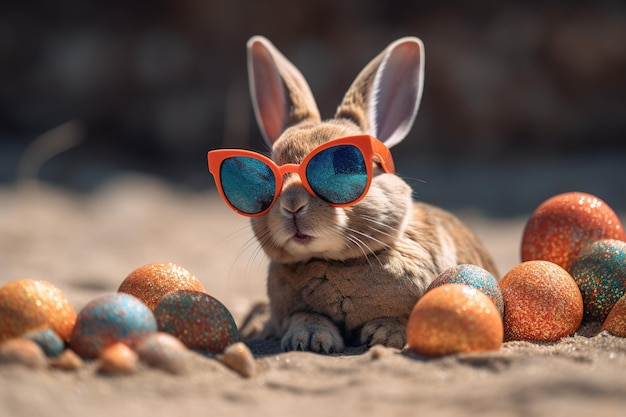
(87, 244)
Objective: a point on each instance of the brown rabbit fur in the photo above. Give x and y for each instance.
(348, 275)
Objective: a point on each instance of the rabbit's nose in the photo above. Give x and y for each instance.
(294, 198)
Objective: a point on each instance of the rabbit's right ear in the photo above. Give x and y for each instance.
(281, 97)
(384, 98)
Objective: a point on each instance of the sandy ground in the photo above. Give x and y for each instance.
(86, 245)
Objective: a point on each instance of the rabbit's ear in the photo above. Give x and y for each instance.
(384, 98)
(281, 96)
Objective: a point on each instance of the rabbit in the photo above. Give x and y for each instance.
(347, 276)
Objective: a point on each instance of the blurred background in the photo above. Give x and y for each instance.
(522, 99)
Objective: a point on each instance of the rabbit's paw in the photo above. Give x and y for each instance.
(313, 333)
(388, 331)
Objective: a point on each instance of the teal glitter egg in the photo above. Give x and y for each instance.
(600, 272)
(200, 321)
(109, 319)
(48, 340)
(475, 277)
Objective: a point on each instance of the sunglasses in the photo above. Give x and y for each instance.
(339, 172)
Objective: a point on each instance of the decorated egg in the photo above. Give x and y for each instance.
(30, 304)
(474, 276)
(600, 272)
(200, 321)
(541, 302)
(108, 319)
(152, 281)
(48, 341)
(454, 318)
(615, 322)
(564, 224)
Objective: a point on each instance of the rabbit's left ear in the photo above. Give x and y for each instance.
(384, 98)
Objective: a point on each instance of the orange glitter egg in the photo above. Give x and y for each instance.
(454, 318)
(151, 282)
(30, 304)
(541, 302)
(564, 224)
(615, 322)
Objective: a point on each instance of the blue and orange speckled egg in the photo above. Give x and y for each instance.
(109, 319)
(152, 281)
(475, 277)
(48, 341)
(200, 321)
(600, 272)
(454, 318)
(29, 304)
(615, 322)
(541, 302)
(564, 224)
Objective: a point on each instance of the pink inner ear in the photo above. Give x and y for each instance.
(396, 94)
(268, 93)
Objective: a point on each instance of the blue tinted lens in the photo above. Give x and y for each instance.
(338, 175)
(248, 183)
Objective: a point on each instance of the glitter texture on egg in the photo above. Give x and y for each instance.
(615, 322)
(109, 319)
(30, 304)
(152, 281)
(200, 321)
(454, 318)
(600, 272)
(475, 277)
(564, 224)
(541, 302)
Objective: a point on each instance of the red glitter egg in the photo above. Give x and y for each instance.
(29, 304)
(152, 281)
(541, 302)
(200, 321)
(615, 322)
(564, 224)
(454, 318)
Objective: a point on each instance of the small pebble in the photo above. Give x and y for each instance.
(22, 352)
(377, 352)
(48, 340)
(164, 351)
(239, 358)
(67, 361)
(118, 359)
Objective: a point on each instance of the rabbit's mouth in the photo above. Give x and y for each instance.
(302, 239)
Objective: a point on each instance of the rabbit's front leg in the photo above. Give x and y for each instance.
(312, 332)
(387, 331)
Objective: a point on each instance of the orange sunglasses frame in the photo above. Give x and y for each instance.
(371, 148)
